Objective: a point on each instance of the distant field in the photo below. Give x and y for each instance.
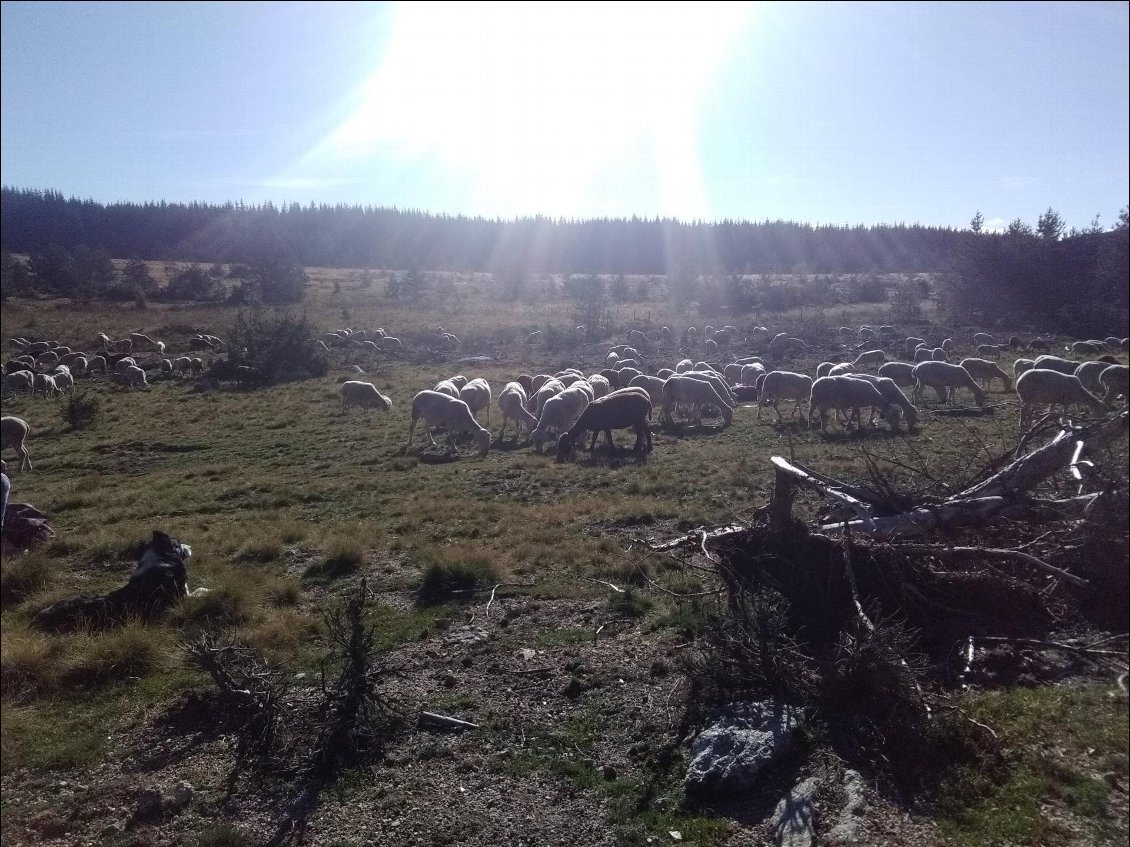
(269, 485)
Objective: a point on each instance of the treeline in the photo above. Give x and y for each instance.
(364, 236)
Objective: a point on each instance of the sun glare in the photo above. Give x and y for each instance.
(534, 105)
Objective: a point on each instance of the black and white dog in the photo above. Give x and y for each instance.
(158, 582)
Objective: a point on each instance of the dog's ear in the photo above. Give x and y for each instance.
(162, 541)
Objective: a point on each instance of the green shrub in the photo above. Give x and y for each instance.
(447, 578)
(80, 412)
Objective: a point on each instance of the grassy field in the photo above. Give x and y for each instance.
(288, 501)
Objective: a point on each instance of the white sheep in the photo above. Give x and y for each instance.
(79, 365)
(717, 381)
(446, 386)
(893, 395)
(942, 376)
(870, 357)
(993, 350)
(459, 381)
(1115, 381)
(1020, 366)
(684, 365)
(985, 372)
(45, 384)
(550, 388)
(1039, 388)
(452, 414)
(512, 402)
(476, 394)
(750, 372)
(1087, 348)
(638, 339)
(19, 381)
(698, 393)
(135, 377)
(846, 393)
(784, 385)
(653, 385)
(939, 355)
(983, 338)
(600, 385)
(822, 369)
(923, 354)
(389, 343)
(123, 365)
(96, 363)
(1088, 373)
(626, 408)
(842, 369)
(63, 381)
(364, 394)
(13, 433)
(901, 372)
(1055, 363)
(560, 412)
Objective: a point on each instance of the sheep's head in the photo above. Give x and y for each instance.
(482, 440)
(565, 445)
(727, 415)
(891, 416)
(538, 438)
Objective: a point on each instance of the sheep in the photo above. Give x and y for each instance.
(913, 343)
(1038, 344)
(842, 369)
(19, 381)
(923, 354)
(717, 381)
(44, 383)
(121, 365)
(941, 376)
(63, 381)
(181, 364)
(459, 381)
(691, 336)
(47, 359)
(79, 365)
(96, 363)
(527, 383)
(388, 343)
(137, 339)
(1055, 363)
(983, 338)
(870, 357)
(948, 345)
(1086, 348)
(893, 395)
(13, 433)
(600, 385)
(446, 386)
(711, 346)
(823, 368)
(196, 365)
(939, 355)
(844, 393)
(638, 339)
(664, 373)
(1112, 342)
(1020, 366)
(628, 408)
(364, 394)
(626, 375)
(619, 364)
(450, 413)
(665, 335)
(1014, 343)
(750, 372)
(559, 413)
(900, 372)
(985, 371)
(784, 345)
(993, 350)
(135, 377)
(1040, 387)
(1088, 373)
(784, 385)
(686, 389)
(653, 385)
(551, 388)
(684, 365)
(1116, 380)
(704, 367)
(512, 402)
(476, 394)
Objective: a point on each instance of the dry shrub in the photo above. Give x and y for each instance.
(453, 575)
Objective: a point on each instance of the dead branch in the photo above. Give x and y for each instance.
(993, 553)
(431, 720)
(1052, 645)
(787, 475)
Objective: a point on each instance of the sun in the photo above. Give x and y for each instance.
(535, 105)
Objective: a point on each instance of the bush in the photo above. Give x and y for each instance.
(80, 412)
(22, 577)
(278, 343)
(342, 559)
(454, 579)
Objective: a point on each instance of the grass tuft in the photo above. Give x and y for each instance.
(451, 576)
(23, 576)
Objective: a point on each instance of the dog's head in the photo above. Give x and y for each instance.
(161, 548)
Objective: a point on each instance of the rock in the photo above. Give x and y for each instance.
(148, 803)
(847, 827)
(792, 819)
(608, 772)
(527, 653)
(729, 755)
(181, 795)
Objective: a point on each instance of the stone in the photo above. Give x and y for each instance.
(181, 795)
(729, 756)
(850, 820)
(792, 819)
(149, 803)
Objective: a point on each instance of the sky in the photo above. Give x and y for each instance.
(838, 113)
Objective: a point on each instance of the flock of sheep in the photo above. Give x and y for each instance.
(625, 392)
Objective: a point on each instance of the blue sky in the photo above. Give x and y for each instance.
(823, 113)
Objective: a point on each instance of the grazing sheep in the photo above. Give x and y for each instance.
(901, 372)
(663, 373)
(665, 335)
(628, 408)
(363, 394)
(784, 345)
(476, 394)
(137, 339)
(823, 368)
(44, 383)
(784, 385)
(942, 376)
(1087, 348)
(1112, 342)
(939, 355)
(983, 338)
(653, 385)
(948, 345)
(750, 372)
(19, 381)
(711, 346)
(1020, 366)
(923, 354)
(993, 350)
(559, 413)
(716, 380)
(870, 357)
(1014, 343)
(626, 375)
(135, 377)
(1055, 363)
(79, 365)
(913, 343)
(181, 364)
(388, 343)
(893, 395)
(459, 381)
(121, 365)
(842, 369)
(446, 386)
(1088, 373)
(96, 363)
(844, 393)
(46, 360)
(527, 383)
(985, 372)
(600, 385)
(63, 381)
(512, 402)
(638, 339)
(551, 388)
(196, 365)
(13, 433)
(1115, 381)
(691, 336)
(687, 389)
(1038, 344)
(452, 414)
(538, 381)
(1038, 388)
(684, 365)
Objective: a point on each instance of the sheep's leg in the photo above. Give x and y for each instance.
(595, 435)
(760, 403)
(611, 443)
(777, 409)
(411, 430)
(502, 431)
